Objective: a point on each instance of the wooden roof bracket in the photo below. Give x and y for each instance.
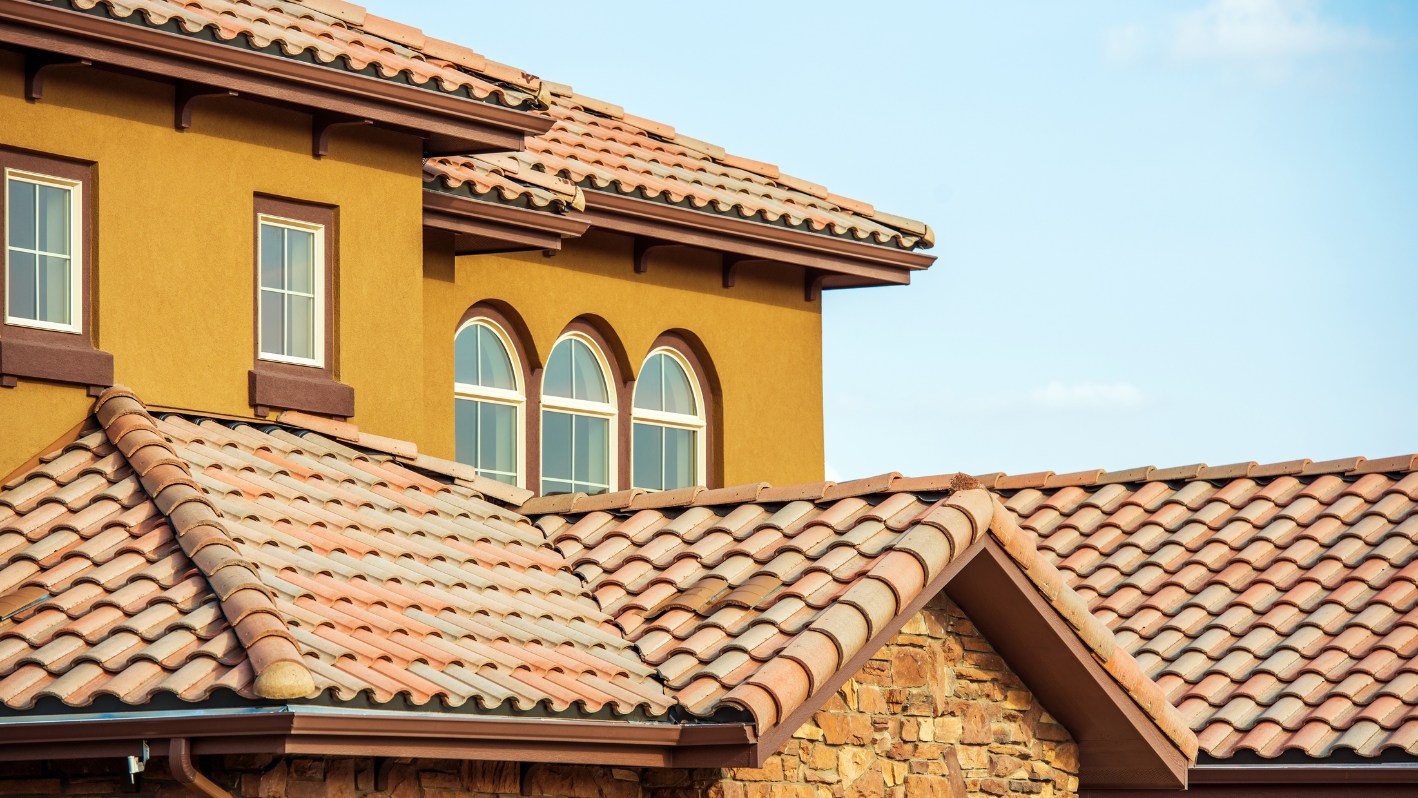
(812, 284)
(39, 63)
(732, 262)
(187, 93)
(322, 122)
(643, 247)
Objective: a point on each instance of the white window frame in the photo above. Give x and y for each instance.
(76, 253)
(561, 404)
(319, 314)
(516, 398)
(660, 418)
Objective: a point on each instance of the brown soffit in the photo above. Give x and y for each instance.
(848, 263)
(1119, 745)
(336, 732)
(483, 227)
(1317, 773)
(448, 124)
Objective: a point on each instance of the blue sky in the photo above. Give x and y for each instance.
(1168, 232)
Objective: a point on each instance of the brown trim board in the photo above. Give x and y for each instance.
(482, 227)
(448, 124)
(1264, 791)
(297, 730)
(848, 263)
(1119, 745)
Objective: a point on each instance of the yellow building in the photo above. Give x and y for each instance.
(335, 215)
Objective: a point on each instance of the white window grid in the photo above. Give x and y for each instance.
(318, 283)
(515, 398)
(695, 423)
(76, 253)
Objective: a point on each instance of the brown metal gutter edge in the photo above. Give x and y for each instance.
(756, 240)
(312, 730)
(1347, 773)
(130, 46)
(451, 206)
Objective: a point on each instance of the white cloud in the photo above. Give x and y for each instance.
(1087, 394)
(1264, 30)
(1124, 45)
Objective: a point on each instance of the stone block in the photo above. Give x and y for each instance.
(852, 762)
(340, 778)
(772, 770)
(91, 787)
(246, 761)
(1018, 699)
(976, 727)
(870, 784)
(871, 699)
(1005, 766)
(435, 780)
(973, 756)
(808, 731)
(364, 775)
(1066, 758)
(307, 769)
(271, 784)
(918, 786)
(824, 757)
(305, 789)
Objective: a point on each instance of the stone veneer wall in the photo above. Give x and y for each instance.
(934, 714)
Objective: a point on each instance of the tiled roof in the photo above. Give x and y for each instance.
(335, 34)
(1277, 605)
(596, 147)
(759, 601)
(291, 549)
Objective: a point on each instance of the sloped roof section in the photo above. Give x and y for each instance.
(759, 602)
(1276, 605)
(184, 554)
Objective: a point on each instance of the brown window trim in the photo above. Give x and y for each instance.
(708, 389)
(287, 386)
(26, 352)
(516, 331)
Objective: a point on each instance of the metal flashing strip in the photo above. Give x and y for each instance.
(1316, 773)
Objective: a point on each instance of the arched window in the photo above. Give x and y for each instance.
(668, 417)
(488, 398)
(578, 419)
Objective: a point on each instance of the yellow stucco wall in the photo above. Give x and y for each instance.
(173, 246)
(764, 340)
(172, 263)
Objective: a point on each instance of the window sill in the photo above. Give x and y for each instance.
(42, 361)
(312, 394)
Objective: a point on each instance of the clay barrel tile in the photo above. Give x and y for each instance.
(846, 626)
(875, 600)
(786, 682)
(978, 505)
(901, 572)
(816, 653)
(939, 538)
(280, 672)
(757, 701)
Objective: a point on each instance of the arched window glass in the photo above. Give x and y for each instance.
(488, 402)
(668, 450)
(578, 420)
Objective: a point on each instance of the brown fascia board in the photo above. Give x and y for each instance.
(864, 264)
(518, 228)
(1265, 790)
(1119, 745)
(307, 730)
(449, 124)
(1319, 772)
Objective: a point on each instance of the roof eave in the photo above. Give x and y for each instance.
(448, 124)
(296, 729)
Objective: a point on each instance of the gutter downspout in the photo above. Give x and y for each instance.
(179, 761)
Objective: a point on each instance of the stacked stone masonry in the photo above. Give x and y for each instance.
(934, 714)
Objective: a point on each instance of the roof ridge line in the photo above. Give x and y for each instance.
(280, 671)
(1122, 666)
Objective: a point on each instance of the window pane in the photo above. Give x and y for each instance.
(53, 222)
(22, 289)
(497, 438)
(272, 259)
(465, 431)
(300, 326)
(465, 356)
(273, 339)
(552, 486)
(649, 469)
(557, 379)
(495, 369)
(300, 261)
(22, 214)
(679, 395)
(679, 458)
(589, 383)
(53, 285)
(556, 447)
(591, 454)
(648, 389)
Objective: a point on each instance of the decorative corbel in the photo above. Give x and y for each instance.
(188, 92)
(323, 122)
(812, 284)
(642, 251)
(38, 64)
(732, 263)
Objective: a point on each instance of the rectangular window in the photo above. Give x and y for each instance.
(575, 453)
(487, 438)
(291, 312)
(664, 457)
(42, 282)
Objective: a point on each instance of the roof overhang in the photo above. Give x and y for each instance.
(487, 227)
(831, 262)
(448, 124)
(298, 729)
